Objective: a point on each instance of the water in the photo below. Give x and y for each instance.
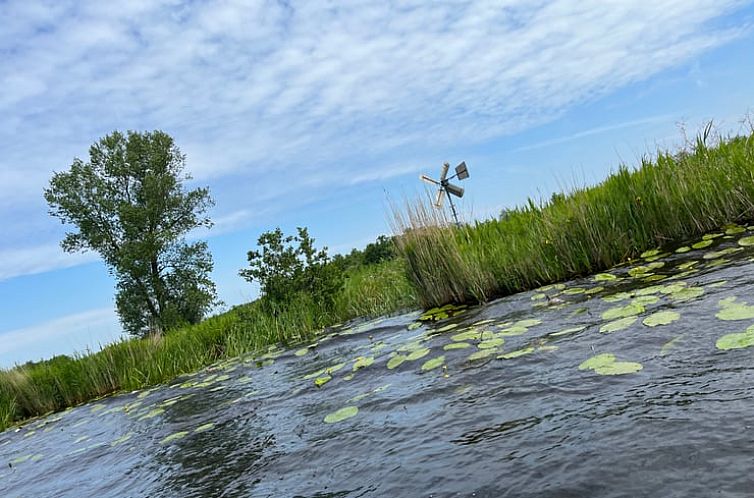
(527, 425)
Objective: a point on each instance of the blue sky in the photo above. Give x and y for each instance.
(317, 113)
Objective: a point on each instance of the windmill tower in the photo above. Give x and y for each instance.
(447, 189)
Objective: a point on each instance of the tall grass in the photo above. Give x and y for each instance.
(673, 197)
(37, 388)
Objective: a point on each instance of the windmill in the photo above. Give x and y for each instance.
(446, 189)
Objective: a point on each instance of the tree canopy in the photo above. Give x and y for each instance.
(129, 204)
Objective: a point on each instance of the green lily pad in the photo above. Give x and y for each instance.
(702, 244)
(746, 241)
(491, 343)
(687, 294)
(645, 300)
(735, 230)
(606, 364)
(122, 439)
(650, 253)
(419, 353)
(530, 322)
(604, 277)
(342, 414)
(433, 363)
(395, 361)
(594, 290)
(731, 309)
(573, 291)
(665, 349)
(721, 253)
(301, 352)
(513, 330)
(456, 345)
(683, 249)
(661, 318)
(620, 324)
(152, 414)
(568, 331)
(447, 327)
(481, 354)
(539, 296)
(469, 335)
(517, 353)
(321, 381)
(362, 362)
(711, 236)
(630, 309)
(737, 340)
(204, 428)
(174, 437)
(614, 298)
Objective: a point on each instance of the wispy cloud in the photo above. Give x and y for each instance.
(38, 259)
(265, 93)
(66, 335)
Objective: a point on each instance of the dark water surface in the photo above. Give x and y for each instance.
(677, 422)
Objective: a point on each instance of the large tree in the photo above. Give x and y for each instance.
(130, 205)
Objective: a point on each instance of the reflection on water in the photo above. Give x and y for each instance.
(489, 402)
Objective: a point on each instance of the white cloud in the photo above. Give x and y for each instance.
(38, 259)
(266, 93)
(79, 332)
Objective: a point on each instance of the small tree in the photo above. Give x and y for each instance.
(284, 270)
(129, 205)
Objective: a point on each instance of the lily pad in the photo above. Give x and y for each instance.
(481, 354)
(321, 381)
(736, 340)
(568, 331)
(665, 349)
(702, 244)
(620, 324)
(419, 353)
(456, 345)
(735, 230)
(174, 437)
(630, 309)
(530, 322)
(731, 309)
(687, 294)
(604, 277)
(661, 318)
(342, 414)
(395, 361)
(362, 362)
(606, 364)
(204, 428)
(514, 330)
(746, 241)
(645, 300)
(302, 351)
(433, 363)
(517, 353)
(469, 335)
(650, 253)
(491, 343)
(683, 249)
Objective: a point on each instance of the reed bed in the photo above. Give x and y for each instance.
(38, 388)
(673, 197)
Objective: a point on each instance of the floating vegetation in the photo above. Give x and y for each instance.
(645, 300)
(362, 362)
(442, 313)
(481, 354)
(731, 309)
(342, 414)
(573, 291)
(605, 277)
(491, 343)
(650, 253)
(469, 335)
(456, 345)
(517, 353)
(665, 349)
(683, 249)
(302, 351)
(122, 439)
(628, 310)
(568, 331)
(737, 340)
(746, 241)
(395, 361)
(530, 322)
(702, 244)
(419, 353)
(606, 364)
(433, 363)
(722, 253)
(735, 230)
(321, 381)
(514, 330)
(152, 414)
(686, 294)
(661, 318)
(174, 437)
(204, 428)
(620, 324)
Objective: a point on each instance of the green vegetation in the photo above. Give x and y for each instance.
(671, 198)
(674, 197)
(37, 388)
(129, 205)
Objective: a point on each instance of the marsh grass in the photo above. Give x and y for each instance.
(37, 388)
(673, 197)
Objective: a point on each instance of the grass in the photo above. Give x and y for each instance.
(38, 388)
(673, 197)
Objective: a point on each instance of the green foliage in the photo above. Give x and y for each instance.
(129, 204)
(288, 266)
(382, 249)
(672, 198)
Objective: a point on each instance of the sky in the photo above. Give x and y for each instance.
(322, 114)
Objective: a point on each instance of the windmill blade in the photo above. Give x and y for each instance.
(427, 179)
(440, 199)
(462, 172)
(454, 189)
(444, 174)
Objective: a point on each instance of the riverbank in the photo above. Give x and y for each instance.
(676, 196)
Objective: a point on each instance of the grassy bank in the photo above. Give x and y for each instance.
(38, 388)
(673, 197)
